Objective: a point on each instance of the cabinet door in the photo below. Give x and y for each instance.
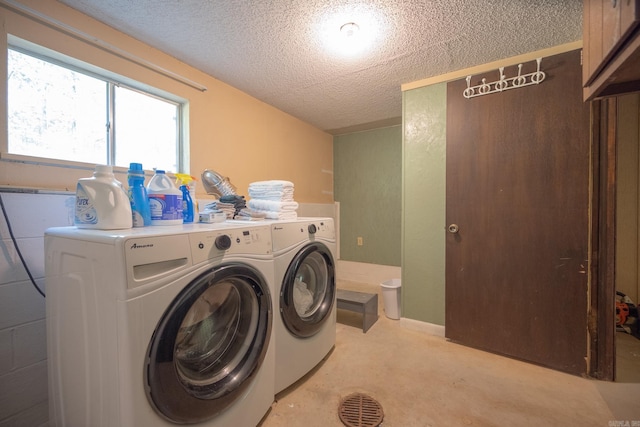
(607, 24)
(629, 17)
(610, 26)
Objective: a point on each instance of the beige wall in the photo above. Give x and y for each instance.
(628, 198)
(229, 131)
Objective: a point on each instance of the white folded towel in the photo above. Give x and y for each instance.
(285, 195)
(272, 205)
(281, 215)
(228, 208)
(273, 184)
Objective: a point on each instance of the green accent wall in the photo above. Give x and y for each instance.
(368, 184)
(423, 203)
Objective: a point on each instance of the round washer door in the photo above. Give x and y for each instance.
(308, 290)
(209, 344)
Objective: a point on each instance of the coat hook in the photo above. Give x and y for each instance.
(502, 83)
(538, 76)
(505, 83)
(468, 92)
(520, 80)
(484, 87)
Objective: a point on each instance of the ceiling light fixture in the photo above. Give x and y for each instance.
(349, 29)
(350, 32)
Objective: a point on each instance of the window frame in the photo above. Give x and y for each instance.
(112, 79)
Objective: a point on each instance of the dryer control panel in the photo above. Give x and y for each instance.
(288, 234)
(324, 228)
(217, 243)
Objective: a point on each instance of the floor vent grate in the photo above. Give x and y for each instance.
(360, 410)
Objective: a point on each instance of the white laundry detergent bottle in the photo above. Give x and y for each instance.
(165, 200)
(101, 202)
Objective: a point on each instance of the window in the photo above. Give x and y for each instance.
(62, 112)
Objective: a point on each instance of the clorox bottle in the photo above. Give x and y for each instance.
(101, 202)
(165, 200)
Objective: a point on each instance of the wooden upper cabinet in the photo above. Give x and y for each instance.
(611, 47)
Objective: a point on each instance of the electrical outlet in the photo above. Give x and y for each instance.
(360, 241)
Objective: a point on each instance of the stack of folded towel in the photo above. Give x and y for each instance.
(273, 198)
(238, 203)
(229, 209)
(248, 214)
(231, 205)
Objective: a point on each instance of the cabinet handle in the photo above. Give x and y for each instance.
(614, 3)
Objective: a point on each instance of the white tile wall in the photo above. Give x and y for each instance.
(30, 344)
(30, 418)
(20, 304)
(6, 350)
(23, 342)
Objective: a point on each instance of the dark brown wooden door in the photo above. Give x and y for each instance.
(518, 189)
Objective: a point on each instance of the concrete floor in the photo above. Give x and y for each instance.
(627, 358)
(424, 380)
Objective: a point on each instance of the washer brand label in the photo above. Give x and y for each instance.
(278, 228)
(137, 246)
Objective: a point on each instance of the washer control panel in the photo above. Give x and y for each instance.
(216, 243)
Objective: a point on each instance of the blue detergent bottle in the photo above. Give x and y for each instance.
(138, 197)
(183, 181)
(187, 204)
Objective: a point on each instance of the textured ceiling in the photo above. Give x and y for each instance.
(276, 50)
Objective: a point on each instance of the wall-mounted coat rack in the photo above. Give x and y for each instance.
(521, 80)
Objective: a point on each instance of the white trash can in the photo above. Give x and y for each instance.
(391, 297)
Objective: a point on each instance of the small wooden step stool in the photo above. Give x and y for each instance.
(360, 302)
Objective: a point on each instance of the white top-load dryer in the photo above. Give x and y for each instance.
(305, 320)
(159, 326)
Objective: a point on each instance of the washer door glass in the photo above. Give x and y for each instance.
(308, 290)
(209, 344)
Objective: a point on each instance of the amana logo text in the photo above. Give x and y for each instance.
(137, 246)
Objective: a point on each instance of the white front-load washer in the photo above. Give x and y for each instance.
(159, 326)
(305, 321)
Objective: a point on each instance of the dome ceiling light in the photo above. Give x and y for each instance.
(350, 32)
(350, 29)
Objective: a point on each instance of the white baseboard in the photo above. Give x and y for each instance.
(366, 273)
(427, 328)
